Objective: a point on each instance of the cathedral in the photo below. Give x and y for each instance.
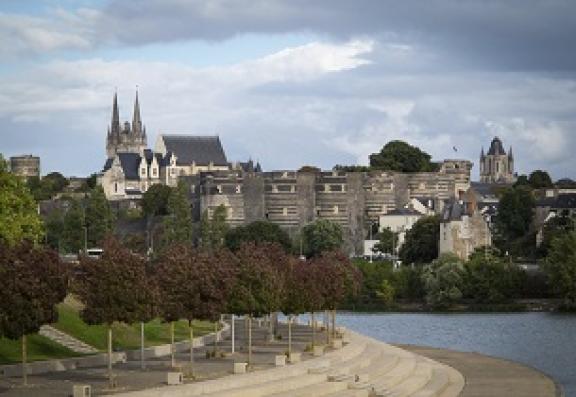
(497, 166)
(127, 138)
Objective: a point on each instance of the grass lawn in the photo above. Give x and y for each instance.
(124, 336)
(39, 348)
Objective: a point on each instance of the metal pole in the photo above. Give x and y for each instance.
(233, 335)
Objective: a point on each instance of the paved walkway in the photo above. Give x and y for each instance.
(492, 377)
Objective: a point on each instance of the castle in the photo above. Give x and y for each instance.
(289, 198)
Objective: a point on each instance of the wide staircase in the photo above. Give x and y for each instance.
(364, 367)
(66, 340)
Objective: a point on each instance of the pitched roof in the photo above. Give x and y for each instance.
(562, 201)
(199, 149)
(129, 163)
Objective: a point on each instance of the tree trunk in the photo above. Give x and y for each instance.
(215, 338)
(289, 337)
(327, 325)
(110, 375)
(313, 331)
(333, 324)
(191, 345)
(172, 347)
(24, 360)
(249, 340)
(142, 363)
(270, 328)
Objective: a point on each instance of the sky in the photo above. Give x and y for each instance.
(292, 82)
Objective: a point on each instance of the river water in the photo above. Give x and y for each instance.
(541, 340)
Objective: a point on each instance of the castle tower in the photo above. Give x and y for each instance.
(129, 138)
(497, 166)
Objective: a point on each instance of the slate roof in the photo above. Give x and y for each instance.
(129, 163)
(562, 201)
(496, 147)
(452, 211)
(199, 149)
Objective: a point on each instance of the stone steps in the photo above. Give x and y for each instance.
(66, 340)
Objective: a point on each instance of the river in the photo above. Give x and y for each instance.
(541, 340)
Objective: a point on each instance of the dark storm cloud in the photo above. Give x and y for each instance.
(517, 34)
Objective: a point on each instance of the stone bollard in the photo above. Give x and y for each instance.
(280, 360)
(175, 378)
(240, 368)
(318, 351)
(295, 358)
(81, 391)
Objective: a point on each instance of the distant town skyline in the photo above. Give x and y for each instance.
(290, 83)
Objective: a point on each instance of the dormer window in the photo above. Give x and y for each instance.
(143, 171)
(154, 172)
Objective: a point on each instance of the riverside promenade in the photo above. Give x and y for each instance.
(361, 367)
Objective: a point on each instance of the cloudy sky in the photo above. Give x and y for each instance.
(292, 82)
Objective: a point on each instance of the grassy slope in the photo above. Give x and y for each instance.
(39, 348)
(124, 336)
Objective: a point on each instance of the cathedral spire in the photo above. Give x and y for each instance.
(115, 126)
(136, 120)
(510, 155)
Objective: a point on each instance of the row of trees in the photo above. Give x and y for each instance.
(180, 283)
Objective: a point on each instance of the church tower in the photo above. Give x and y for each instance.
(127, 138)
(497, 166)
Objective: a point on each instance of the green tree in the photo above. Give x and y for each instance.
(522, 180)
(19, 219)
(540, 179)
(554, 228)
(374, 275)
(443, 281)
(178, 223)
(32, 282)
(257, 232)
(48, 186)
(99, 217)
(155, 200)
(388, 241)
(565, 183)
(322, 235)
(213, 229)
(560, 268)
(401, 157)
(54, 228)
(491, 279)
(73, 233)
(421, 244)
(515, 214)
(387, 293)
(115, 288)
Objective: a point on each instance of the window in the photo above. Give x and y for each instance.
(285, 211)
(115, 188)
(238, 189)
(154, 171)
(143, 171)
(335, 209)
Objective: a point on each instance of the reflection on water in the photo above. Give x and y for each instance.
(541, 340)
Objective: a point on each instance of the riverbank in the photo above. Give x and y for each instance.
(491, 376)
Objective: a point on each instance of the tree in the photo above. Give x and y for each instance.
(322, 235)
(213, 229)
(47, 187)
(522, 180)
(32, 282)
(399, 156)
(294, 301)
(388, 241)
(258, 286)
(193, 285)
(515, 214)
(91, 181)
(178, 223)
(54, 228)
(560, 268)
(19, 219)
(421, 244)
(565, 183)
(351, 168)
(341, 280)
(99, 217)
(490, 279)
(443, 281)
(155, 200)
(374, 275)
(540, 179)
(554, 228)
(115, 288)
(258, 232)
(73, 232)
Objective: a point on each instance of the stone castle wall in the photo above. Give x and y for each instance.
(293, 199)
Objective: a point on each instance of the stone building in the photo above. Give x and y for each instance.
(354, 200)
(497, 166)
(26, 166)
(131, 168)
(465, 226)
